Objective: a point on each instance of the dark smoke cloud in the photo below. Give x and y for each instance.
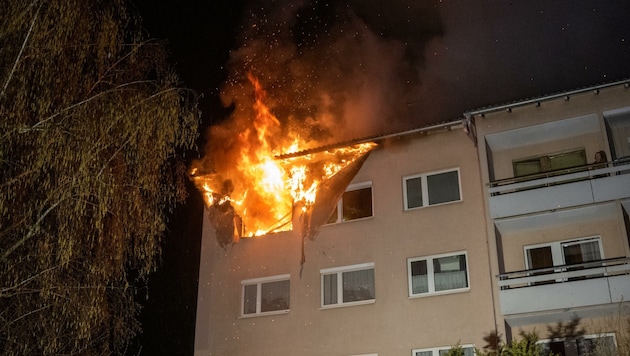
(333, 70)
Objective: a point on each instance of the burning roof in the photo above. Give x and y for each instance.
(253, 185)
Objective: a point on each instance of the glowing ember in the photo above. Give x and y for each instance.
(261, 188)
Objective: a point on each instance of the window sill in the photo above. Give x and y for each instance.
(348, 221)
(446, 292)
(349, 304)
(276, 312)
(432, 205)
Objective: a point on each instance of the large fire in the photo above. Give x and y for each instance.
(266, 179)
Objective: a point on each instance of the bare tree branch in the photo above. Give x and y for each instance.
(17, 59)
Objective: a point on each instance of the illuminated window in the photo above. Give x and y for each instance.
(469, 350)
(437, 274)
(348, 285)
(356, 203)
(268, 295)
(434, 188)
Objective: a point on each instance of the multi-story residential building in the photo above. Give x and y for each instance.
(557, 198)
(494, 223)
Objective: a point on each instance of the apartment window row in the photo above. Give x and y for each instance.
(354, 285)
(420, 190)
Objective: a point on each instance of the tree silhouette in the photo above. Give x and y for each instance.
(91, 120)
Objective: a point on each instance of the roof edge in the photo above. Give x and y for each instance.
(538, 100)
(376, 138)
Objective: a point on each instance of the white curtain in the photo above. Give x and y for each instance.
(275, 296)
(450, 280)
(358, 285)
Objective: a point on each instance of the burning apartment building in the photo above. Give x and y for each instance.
(410, 242)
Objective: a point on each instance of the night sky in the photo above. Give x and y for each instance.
(369, 67)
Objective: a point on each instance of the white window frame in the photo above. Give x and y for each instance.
(339, 272)
(258, 282)
(431, 277)
(436, 350)
(557, 254)
(425, 188)
(351, 187)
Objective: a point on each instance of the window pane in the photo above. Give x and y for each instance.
(443, 187)
(539, 257)
(249, 299)
(414, 192)
(468, 351)
(358, 285)
(581, 252)
(330, 289)
(450, 272)
(568, 159)
(424, 353)
(357, 204)
(528, 167)
(419, 277)
(601, 345)
(275, 296)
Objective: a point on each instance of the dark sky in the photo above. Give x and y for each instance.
(363, 67)
(404, 62)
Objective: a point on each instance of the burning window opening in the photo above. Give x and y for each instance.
(262, 181)
(309, 187)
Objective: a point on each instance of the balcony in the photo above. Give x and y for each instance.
(558, 293)
(560, 189)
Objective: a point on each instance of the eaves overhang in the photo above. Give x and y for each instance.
(417, 131)
(538, 100)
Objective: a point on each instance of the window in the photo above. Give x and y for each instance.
(431, 189)
(603, 344)
(563, 253)
(268, 295)
(356, 203)
(437, 274)
(469, 350)
(348, 285)
(550, 162)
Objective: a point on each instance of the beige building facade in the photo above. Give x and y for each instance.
(497, 222)
(558, 226)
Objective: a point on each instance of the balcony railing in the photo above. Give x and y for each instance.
(560, 176)
(562, 288)
(561, 189)
(564, 273)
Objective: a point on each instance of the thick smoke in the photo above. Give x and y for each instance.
(332, 70)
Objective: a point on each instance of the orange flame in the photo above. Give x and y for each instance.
(262, 188)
